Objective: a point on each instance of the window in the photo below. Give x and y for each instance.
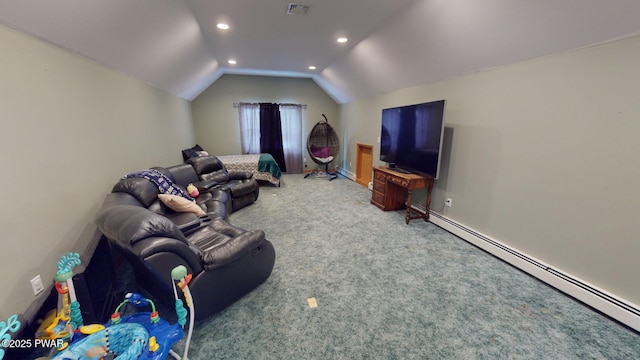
(291, 117)
(291, 123)
(249, 128)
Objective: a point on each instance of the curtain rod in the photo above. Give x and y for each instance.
(235, 105)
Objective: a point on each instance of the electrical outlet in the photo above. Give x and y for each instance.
(36, 285)
(448, 202)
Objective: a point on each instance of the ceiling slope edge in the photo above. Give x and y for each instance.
(433, 40)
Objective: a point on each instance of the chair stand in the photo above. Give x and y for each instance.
(322, 173)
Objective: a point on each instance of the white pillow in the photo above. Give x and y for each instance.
(325, 160)
(180, 204)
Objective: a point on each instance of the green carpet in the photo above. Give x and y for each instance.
(387, 290)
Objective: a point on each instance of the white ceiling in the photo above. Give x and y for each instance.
(175, 45)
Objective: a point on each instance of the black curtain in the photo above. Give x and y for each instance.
(271, 133)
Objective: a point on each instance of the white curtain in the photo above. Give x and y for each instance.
(291, 120)
(249, 127)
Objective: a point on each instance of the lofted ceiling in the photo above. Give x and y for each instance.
(176, 46)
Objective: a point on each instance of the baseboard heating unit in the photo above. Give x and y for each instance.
(346, 173)
(619, 309)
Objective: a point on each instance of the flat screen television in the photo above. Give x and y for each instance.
(411, 139)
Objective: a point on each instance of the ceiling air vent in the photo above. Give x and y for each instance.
(297, 9)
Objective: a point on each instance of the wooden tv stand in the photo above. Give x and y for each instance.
(391, 188)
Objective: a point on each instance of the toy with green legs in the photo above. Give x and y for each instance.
(68, 317)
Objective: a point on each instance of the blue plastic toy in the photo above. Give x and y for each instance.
(140, 336)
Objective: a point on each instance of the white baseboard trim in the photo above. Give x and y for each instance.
(617, 308)
(348, 174)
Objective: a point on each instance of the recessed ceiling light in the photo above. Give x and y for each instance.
(312, 67)
(222, 26)
(232, 62)
(342, 39)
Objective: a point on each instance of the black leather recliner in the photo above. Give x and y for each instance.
(241, 187)
(226, 262)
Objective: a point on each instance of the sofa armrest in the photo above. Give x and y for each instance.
(231, 249)
(206, 185)
(222, 226)
(143, 234)
(188, 222)
(129, 224)
(159, 249)
(203, 197)
(240, 175)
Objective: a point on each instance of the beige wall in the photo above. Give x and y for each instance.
(543, 156)
(70, 128)
(216, 121)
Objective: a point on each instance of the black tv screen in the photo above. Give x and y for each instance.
(411, 138)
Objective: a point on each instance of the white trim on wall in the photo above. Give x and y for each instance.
(346, 173)
(620, 309)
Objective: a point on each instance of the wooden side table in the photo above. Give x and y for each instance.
(391, 188)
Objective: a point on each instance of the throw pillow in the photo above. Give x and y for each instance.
(192, 151)
(320, 152)
(180, 204)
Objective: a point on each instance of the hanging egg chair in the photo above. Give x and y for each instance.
(323, 146)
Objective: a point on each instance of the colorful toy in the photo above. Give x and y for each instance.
(192, 191)
(127, 341)
(180, 274)
(61, 323)
(12, 325)
(141, 336)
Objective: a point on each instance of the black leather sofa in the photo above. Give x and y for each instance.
(226, 262)
(240, 186)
